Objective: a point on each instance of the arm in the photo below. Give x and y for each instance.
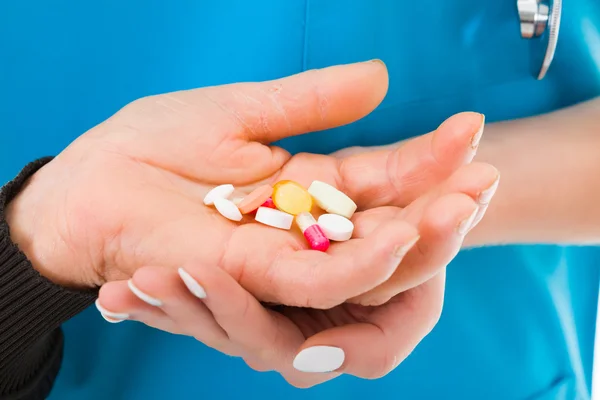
(31, 311)
(550, 187)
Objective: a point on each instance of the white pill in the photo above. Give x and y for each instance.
(332, 200)
(228, 209)
(336, 227)
(220, 192)
(274, 218)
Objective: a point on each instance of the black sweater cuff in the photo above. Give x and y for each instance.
(31, 311)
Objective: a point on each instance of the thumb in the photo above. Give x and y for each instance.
(310, 101)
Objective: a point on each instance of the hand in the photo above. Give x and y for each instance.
(128, 193)
(373, 340)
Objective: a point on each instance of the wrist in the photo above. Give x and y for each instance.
(547, 192)
(32, 220)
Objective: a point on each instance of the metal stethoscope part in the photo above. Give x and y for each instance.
(540, 23)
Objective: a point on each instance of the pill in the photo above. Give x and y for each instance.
(332, 200)
(290, 197)
(223, 192)
(312, 231)
(228, 209)
(268, 203)
(255, 199)
(336, 227)
(274, 218)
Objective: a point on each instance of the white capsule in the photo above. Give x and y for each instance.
(228, 209)
(332, 200)
(274, 218)
(219, 192)
(336, 227)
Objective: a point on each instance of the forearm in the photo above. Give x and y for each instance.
(31, 311)
(549, 189)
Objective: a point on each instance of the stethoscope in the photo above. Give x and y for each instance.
(540, 23)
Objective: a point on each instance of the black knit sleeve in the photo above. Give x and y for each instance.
(31, 311)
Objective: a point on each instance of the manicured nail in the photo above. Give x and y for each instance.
(143, 296)
(110, 316)
(485, 196)
(477, 136)
(401, 250)
(319, 359)
(465, 225)
(192, 285)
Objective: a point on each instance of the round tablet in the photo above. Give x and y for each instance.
(255, 199)
(274, 218)
(228, 209)
(223, 192)
(336, 227)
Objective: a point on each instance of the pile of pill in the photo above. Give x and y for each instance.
(279, 206)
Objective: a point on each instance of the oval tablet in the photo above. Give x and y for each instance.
(274, 218)
(336, 227)
(332, 200)
(223, 192)
(290, 197)
(228, 209)
(255, 199)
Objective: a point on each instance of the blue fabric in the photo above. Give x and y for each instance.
(518, 321)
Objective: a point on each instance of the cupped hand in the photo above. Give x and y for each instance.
(427, 180)
(129, 192)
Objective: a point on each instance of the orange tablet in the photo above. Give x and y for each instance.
(255, 199)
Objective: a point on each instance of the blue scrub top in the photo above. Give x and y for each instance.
(518, 321)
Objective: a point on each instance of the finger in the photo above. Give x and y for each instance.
(477, 180)
(442, 229)
(374, 348)
(310, 101)
(398, 174)
(185, 309)
(307, 278)
(261, 334)
(116, 303)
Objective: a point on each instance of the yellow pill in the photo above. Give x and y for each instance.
(290, 197)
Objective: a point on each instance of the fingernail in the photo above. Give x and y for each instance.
(466, 224)
(110, 316)
(377, 61)
(192, 285)
(319, 359)
(401, 250)
(477, 136)
(485, 196)
(143, 296)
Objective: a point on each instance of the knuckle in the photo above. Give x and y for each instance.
(300, 383)
(386, 364)
(434, 313)
(258, 366)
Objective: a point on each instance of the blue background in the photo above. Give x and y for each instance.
(518, 321)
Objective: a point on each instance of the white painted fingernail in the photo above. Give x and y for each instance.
(192, 285)
(143, 296)
(466, 224)
(110, 316)
(319, 359)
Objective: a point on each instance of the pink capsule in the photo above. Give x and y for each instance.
(268, 203)
(312, 231)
